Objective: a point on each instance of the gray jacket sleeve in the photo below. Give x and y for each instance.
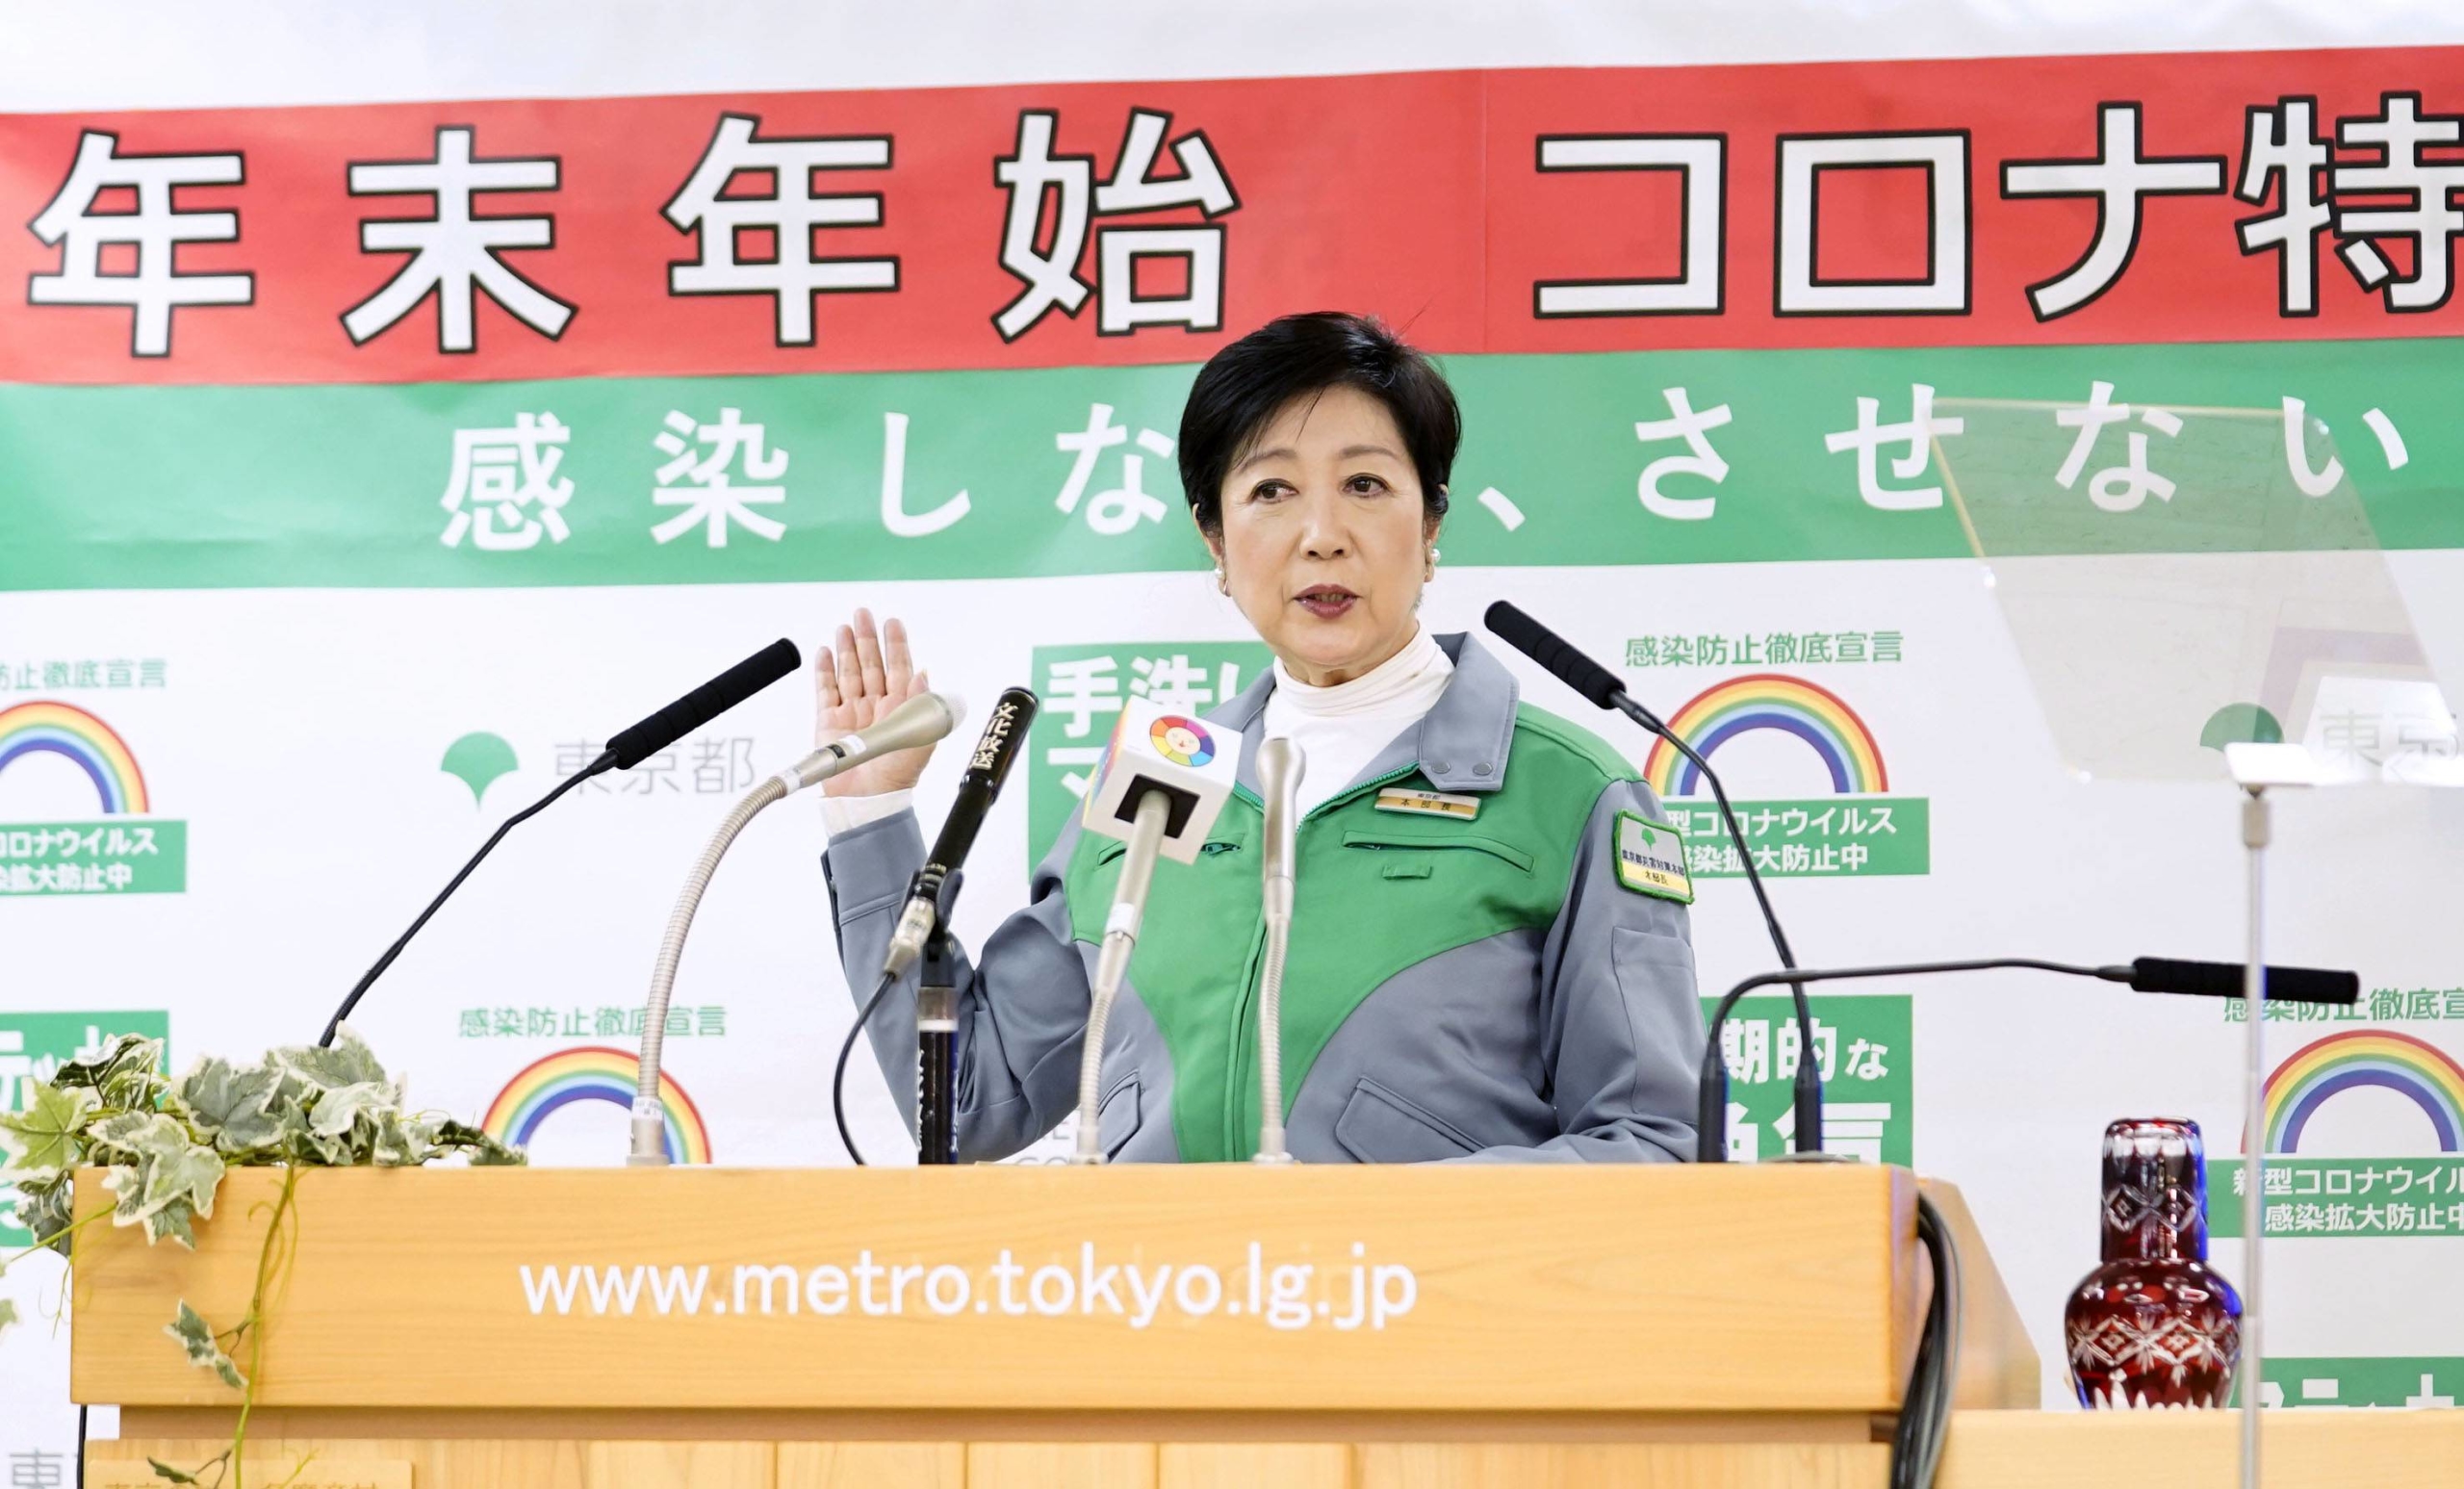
(1624, 1036)
(1022, 1006)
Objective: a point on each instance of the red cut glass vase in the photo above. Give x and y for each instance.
(2154, 1325)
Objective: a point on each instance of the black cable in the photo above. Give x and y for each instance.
(838, 1079)
(604, 763)
(1727, 815)
(1807, 1102)
(1924, 1420)
(81, 1445)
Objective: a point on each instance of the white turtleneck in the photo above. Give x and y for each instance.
(1341, 729)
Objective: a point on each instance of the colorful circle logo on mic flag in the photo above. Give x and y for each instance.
(1182, 741)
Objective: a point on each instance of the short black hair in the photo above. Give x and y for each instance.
(1246, 385)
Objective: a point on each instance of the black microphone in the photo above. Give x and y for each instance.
(1004, 733)
(1602, 686)
(2224, 980)
(2147, 974)
(1552, 651)
(633, 745)
(921, 924)
(626, 751)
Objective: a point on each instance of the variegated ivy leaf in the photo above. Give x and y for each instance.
(340, 1109)
(44, 1202)
(184, 1176)
(127, 1189)
(122, 1075)
(169, 1169)
(234, 1103)
(347, 1064)
(126, 1135)
(175, 1220)
(47, 1134)
(306, 1148)
(140, 1136)
(484, 1149)
(205, 1352)
(402, 1142)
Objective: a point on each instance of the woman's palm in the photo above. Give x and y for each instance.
(855, 685)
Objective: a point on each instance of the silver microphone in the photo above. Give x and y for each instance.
(1111, 961)
(921, 720)
(1281, 765)
(1163, 783)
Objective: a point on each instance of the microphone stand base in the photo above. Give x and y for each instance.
(649, 1144)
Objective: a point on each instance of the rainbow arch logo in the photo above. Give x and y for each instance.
(2320, 1072)
(45, 728)
(1769, 700)
(593, 1073)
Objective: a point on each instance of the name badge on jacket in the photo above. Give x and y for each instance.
(1431, 804)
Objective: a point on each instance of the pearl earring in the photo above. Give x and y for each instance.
(1222, 586)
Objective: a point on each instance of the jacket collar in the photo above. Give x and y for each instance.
(1460, 744)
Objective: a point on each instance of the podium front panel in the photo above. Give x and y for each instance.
(1444, 1288)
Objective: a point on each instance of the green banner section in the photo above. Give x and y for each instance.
(2406, 1381)
(1612, 458)
(121, 856)
(34, 1047)
(2348, 1198)
(1861, 1046)
(1823, 837)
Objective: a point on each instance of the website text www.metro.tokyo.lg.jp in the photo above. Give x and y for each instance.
(1353, 1294)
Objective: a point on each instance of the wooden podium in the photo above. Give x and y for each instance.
(1015, 1327)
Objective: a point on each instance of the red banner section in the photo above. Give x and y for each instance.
(2243, 196)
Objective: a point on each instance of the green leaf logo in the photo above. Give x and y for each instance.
(477, 760)
(2238, 723)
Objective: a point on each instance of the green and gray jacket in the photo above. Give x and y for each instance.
(1482, 987)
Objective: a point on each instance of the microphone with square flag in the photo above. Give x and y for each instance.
(1163, 783)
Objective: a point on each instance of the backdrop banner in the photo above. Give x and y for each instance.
(365, 464)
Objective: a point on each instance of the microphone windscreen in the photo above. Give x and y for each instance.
(1196, 764)
(2223, 980)
(704, 704)
(1552, 652)
(927, 718)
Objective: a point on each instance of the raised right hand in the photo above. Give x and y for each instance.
(868, 675)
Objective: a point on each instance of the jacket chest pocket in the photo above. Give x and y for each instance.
(1408, 856)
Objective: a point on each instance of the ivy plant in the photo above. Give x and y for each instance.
(164, 1146)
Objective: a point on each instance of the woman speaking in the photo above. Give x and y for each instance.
(1472, 973)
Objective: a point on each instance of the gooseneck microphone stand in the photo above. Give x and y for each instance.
(606, 762)
(628, 749)
(1596, 682)
(937, 1032)
(1111, 963)
(2146, 974)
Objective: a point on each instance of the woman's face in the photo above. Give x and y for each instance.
(1324, 544)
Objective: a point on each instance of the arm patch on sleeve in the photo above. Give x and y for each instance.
(1650, 858)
